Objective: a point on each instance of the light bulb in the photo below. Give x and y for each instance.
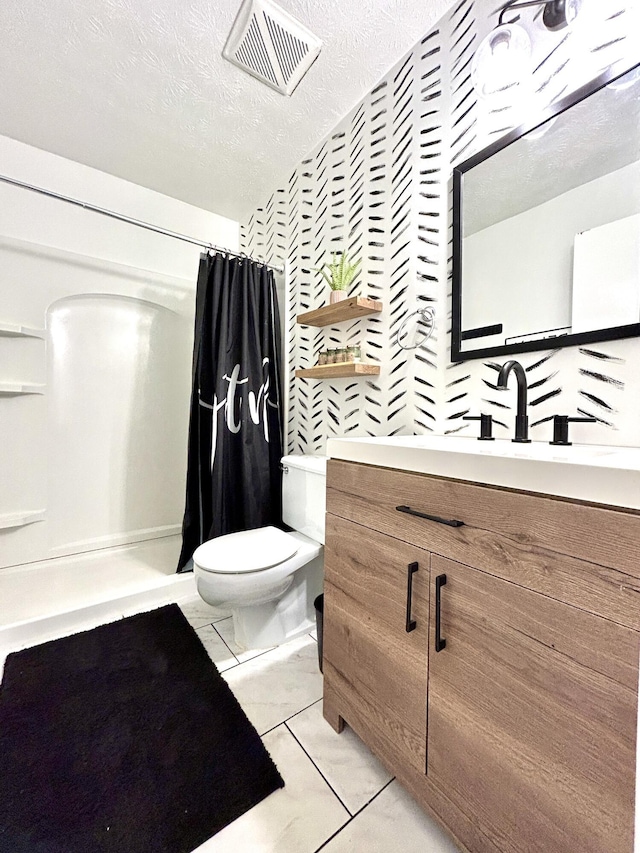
(501, 63)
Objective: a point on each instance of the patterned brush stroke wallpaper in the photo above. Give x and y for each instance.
(380, 188)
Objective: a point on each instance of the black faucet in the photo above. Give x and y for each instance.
(522, 421)
(561, 428)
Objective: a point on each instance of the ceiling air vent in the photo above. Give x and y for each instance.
(271, 45)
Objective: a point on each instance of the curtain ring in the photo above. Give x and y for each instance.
(427, 316)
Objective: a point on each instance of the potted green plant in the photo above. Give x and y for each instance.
(338, 274)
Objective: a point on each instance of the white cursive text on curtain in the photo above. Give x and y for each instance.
(236, 405)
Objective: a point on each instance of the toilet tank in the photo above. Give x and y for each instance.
(304, 494)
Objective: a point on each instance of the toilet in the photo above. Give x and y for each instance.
(267, 578)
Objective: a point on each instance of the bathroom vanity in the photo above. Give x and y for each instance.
(481, 633)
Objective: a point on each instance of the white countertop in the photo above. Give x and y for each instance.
(595, 473)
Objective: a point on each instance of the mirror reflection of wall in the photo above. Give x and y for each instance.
(531, 259)
(606, 274)
(541, 253)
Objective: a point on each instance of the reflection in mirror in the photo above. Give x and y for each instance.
(547, 230)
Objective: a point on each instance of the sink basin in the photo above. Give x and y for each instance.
(594, 473)
(500, 447)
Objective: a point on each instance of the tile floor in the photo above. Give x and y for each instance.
(337, 797)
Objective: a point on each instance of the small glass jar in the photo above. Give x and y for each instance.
(355, 353)
(341, 355)
(322, 358)
(331, 356)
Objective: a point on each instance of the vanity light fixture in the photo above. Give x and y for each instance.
(559, 14)
(556, 15)
(502, 63)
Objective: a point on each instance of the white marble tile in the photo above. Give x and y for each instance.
(392, 823)
(277, 684)
(217, 649)
(314, 634)
(346, 763)
(298, 818)
(225, 629)
(199, 613)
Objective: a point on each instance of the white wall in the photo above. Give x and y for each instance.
(28, 216)
(102, 450)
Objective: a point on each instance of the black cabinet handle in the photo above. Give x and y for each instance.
(450, 522)
(441, 643)
(412, 568)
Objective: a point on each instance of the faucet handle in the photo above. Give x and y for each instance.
(561, 427)
(486, 424)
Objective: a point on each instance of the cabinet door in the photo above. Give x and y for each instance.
(375, 670)
(532, 716)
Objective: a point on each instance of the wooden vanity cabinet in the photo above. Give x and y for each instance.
(373, 665)
(532, 716)
(527, 716)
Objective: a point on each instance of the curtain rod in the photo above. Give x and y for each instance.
(130, 221)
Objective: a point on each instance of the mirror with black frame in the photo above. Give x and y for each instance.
(546, 248)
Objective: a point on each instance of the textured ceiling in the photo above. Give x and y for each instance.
(139, 89)
(593, 138)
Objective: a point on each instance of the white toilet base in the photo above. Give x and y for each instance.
(272, 623)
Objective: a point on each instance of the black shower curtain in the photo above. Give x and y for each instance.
(235, 431)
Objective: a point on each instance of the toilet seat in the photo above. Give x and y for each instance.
(247, 551)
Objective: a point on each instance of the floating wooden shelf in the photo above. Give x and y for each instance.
(12, 330)
(334, 371)
(21, 519)
(13, 389)
(349, 309)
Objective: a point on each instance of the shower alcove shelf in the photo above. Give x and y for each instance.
(11, 520)
(15, 389)
(12, 330)
(351, 308)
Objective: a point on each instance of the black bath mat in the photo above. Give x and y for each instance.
(124, 739)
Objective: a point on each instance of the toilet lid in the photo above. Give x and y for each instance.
(247, 551)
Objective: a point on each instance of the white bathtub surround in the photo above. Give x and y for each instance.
(96, 324)
(52, 598)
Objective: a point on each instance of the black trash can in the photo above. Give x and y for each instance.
(319, 606)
